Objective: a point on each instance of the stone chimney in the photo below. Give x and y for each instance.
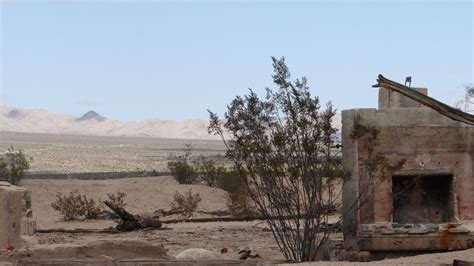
(393, 99)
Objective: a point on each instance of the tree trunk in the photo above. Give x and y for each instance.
(130, 222)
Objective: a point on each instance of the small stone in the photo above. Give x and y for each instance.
(196, 254)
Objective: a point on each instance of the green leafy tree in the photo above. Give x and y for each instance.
(13, 165)
(282, 147)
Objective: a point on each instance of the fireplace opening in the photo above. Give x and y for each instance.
(423, 199)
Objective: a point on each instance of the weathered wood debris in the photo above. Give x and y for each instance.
(444, 109)
(130, 222)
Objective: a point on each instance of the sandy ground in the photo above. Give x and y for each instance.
(152, 193)
(147, 195)
(144, 195)
(178, 237)
(426, 259)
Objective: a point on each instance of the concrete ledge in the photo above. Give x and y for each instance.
(15, 216)
(415, 237)
(143, 262)
(404, 242)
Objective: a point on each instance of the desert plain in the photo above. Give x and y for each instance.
(145, 195)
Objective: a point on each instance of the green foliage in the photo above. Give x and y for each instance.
(204, 170)
(75, 206)
(181, 168)
(281, 147)
(209, 172)
(13, 165)
(185, 204)
(231, 181)
(214, 174)
(240, 204)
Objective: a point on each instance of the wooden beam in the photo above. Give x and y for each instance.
(444, 109)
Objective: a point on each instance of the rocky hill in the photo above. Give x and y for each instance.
(92, 123)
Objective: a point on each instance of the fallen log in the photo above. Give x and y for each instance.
(444, 109)
(130, 222)
(334, 227)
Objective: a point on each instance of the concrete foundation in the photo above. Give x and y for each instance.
(15, 216)
(434, 188)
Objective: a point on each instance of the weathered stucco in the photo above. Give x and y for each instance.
(15, 216)
(433, 146)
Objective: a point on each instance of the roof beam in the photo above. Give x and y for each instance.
(443, 109)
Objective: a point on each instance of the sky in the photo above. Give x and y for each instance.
(173, 60)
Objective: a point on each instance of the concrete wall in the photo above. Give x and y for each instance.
(430, 143)
(391, 99)
(15, 216)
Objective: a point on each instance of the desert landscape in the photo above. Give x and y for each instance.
(71, 154)
(236, 133)
(145, 196)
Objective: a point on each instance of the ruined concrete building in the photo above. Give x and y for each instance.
(425, 204)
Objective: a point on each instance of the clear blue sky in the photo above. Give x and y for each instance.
(173, 60)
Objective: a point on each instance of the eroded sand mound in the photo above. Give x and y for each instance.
(144, 195)
(98, 250)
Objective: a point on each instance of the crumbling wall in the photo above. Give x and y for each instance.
(432, 145)
(15, 216)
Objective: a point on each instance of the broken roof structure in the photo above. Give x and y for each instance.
(427, 203)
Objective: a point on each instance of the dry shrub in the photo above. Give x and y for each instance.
(117, 199)
(240, 204)
(185, 204)
(230, 181)
(75, 206)
(91, 209)
(181, 169)
(209, 171)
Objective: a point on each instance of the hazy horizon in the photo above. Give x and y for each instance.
(174, 60)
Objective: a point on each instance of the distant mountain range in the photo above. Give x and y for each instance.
(92, 123)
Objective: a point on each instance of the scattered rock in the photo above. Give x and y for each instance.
(245, 254)
(196, 254)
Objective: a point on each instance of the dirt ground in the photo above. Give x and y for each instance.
(175, 239)
(145, 195)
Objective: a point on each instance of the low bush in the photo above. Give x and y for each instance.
(117, 199)
(13, 165)
(230, 181)
(91, 209)
(185, 204)
(240, 204)
(74, 206)
(181, 168)
(209, 172)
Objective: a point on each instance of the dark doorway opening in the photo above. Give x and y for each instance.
(423, 199)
